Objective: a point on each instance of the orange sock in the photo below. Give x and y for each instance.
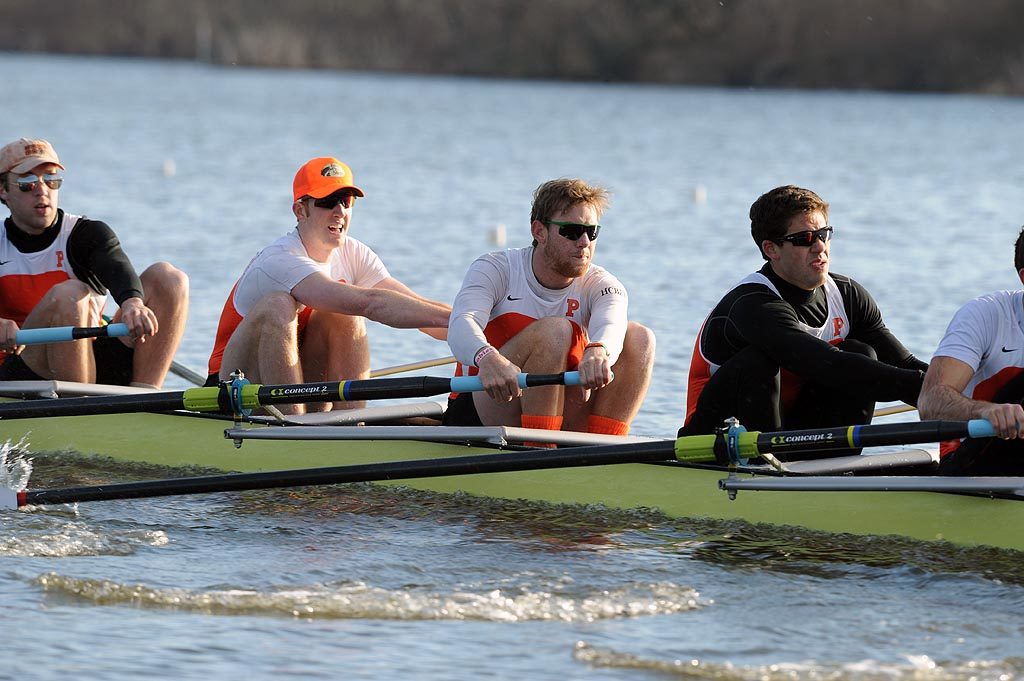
(538, 421)
(606, 426)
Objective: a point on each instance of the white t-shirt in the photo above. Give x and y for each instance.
(284, 263)
(987, 334)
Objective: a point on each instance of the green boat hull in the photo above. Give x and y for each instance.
(678, 491)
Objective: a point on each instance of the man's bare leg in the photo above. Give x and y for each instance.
(621, 399)
(335, 347)
(167, 294)
(265, 346)
(66, 304)
(540, 348)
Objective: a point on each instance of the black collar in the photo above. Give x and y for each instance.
(33, 243)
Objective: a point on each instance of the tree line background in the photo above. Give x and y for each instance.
(911, 45)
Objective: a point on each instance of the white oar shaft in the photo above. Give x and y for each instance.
(895, 409)
(412, 366)
(182, 371)
(906, 483)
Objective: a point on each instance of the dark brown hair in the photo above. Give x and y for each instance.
(771, 214)
(1018, 251)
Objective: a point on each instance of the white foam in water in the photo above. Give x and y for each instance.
(359, 600)
(15, 468)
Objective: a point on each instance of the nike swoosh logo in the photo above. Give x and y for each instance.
(511, 298)
(1005, 350)
(4, 262)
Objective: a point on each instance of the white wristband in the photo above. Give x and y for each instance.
(481, 353)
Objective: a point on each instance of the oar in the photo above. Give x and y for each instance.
(894, 409)
(182, 371)
(196, 378)
(251, 395)
(60, 334)
(412, 366)
(688, 449)
(753, 443)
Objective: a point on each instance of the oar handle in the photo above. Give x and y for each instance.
(980, 428)
(59, 334)
(469, 384)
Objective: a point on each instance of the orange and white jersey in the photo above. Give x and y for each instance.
(280, 267)
(987, 334)
(834, 330)
(26, 277)
(500, 296)
(837, 322)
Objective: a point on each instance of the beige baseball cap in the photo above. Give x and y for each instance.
(25, 154)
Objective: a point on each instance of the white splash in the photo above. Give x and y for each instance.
(15, 467)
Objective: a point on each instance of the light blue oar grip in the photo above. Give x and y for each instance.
(59, 334)
(572, 378)
(34, 336)
(980, 428)
(469, 384)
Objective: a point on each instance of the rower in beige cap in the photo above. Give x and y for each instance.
(56, 270)
(297, 313)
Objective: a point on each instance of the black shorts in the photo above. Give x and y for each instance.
(461, 411)
(114, 362)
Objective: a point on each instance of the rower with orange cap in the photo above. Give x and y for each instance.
(297, 313)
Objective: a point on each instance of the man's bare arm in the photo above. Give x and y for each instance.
(942, 398)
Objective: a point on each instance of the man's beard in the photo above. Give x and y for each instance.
(566, 267)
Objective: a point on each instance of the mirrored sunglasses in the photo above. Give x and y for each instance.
(29, 183)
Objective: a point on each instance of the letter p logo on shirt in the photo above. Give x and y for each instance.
(571, 306)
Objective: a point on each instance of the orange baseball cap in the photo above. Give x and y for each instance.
(25, 154)
(322, 177)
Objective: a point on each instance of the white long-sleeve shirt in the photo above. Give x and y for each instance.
(500, 296)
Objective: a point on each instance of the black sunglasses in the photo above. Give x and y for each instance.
(574, 230)
(329, 202)
(806, 238)
(30, 182)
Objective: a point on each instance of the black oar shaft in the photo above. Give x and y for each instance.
(352, 391)
(378, 388)
(88, 406)
(252, 396)
(655, 450)
(879, 435)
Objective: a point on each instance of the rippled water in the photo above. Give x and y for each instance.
(194, 164)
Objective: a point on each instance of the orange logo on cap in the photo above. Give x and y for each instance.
(34, 149)
(332, 170)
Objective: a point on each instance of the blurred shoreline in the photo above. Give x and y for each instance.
(895, 45)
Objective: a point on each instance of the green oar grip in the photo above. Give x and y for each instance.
(201, 399)
(701, 448)
(695, 448)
